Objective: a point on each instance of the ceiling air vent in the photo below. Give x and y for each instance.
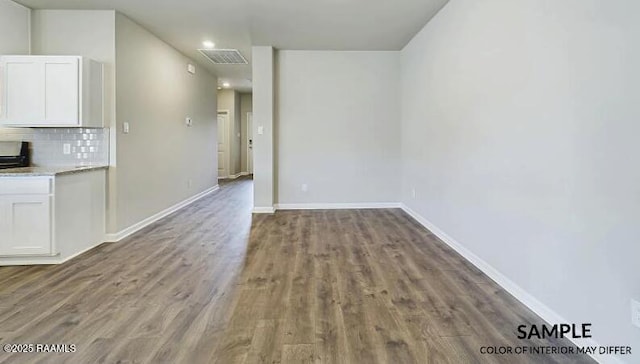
(224, 56)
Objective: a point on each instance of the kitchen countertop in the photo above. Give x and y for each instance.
(47, 171)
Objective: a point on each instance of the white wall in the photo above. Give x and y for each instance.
(263, 114)
(88, 33)
(14, 28)
(159, 156)
(154, 93)
(519, 133)
(229, 100)
(15, 35)
(338, 128)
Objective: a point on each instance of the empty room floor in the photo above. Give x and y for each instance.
(214, 284)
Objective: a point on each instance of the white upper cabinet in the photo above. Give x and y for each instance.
(51, 91)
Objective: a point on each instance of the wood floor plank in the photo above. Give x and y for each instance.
(431, 348)
(299, 353)
(267, 342)
(299, 325)
(360, 337)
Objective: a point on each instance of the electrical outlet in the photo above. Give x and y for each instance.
(66, 148)
(635, 313)
(188, 121)
(413, 192)
(305, 187)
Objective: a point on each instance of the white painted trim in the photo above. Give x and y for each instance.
(338, 206)
(30, 30)
(112, 238)
(43, 259)
(26, 261)
(264, 210)
(249, 160)
(234, 176)
(542, 310)
(83, 251)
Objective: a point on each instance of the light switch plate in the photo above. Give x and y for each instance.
(125, 127)
(188, 121)
(260, 130)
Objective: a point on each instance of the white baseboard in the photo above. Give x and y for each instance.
(263, 210)
(326, 206)
(83, 251)
(542, 310)
(338, 206)
(10, 261)
(44, 260)
(234, 176)
(111, 238)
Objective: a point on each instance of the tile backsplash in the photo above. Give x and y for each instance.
(88, 146)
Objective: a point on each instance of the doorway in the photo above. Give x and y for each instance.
(223, 144)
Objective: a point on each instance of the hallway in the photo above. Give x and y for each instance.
(212, 284)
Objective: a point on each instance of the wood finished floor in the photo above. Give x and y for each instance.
(212, 284)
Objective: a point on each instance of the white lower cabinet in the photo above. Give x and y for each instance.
(50, 219)
(25, 225)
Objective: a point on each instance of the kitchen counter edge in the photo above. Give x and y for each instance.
(48, 171)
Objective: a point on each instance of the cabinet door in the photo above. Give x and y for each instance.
(23, 91)
(25, 225)
(61, 91)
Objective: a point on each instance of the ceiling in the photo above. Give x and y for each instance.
(284, 24)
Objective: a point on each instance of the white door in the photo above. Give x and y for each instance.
(250, 142)
(25, 225)
(223, 145)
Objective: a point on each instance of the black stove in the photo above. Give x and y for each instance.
(14, 155)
